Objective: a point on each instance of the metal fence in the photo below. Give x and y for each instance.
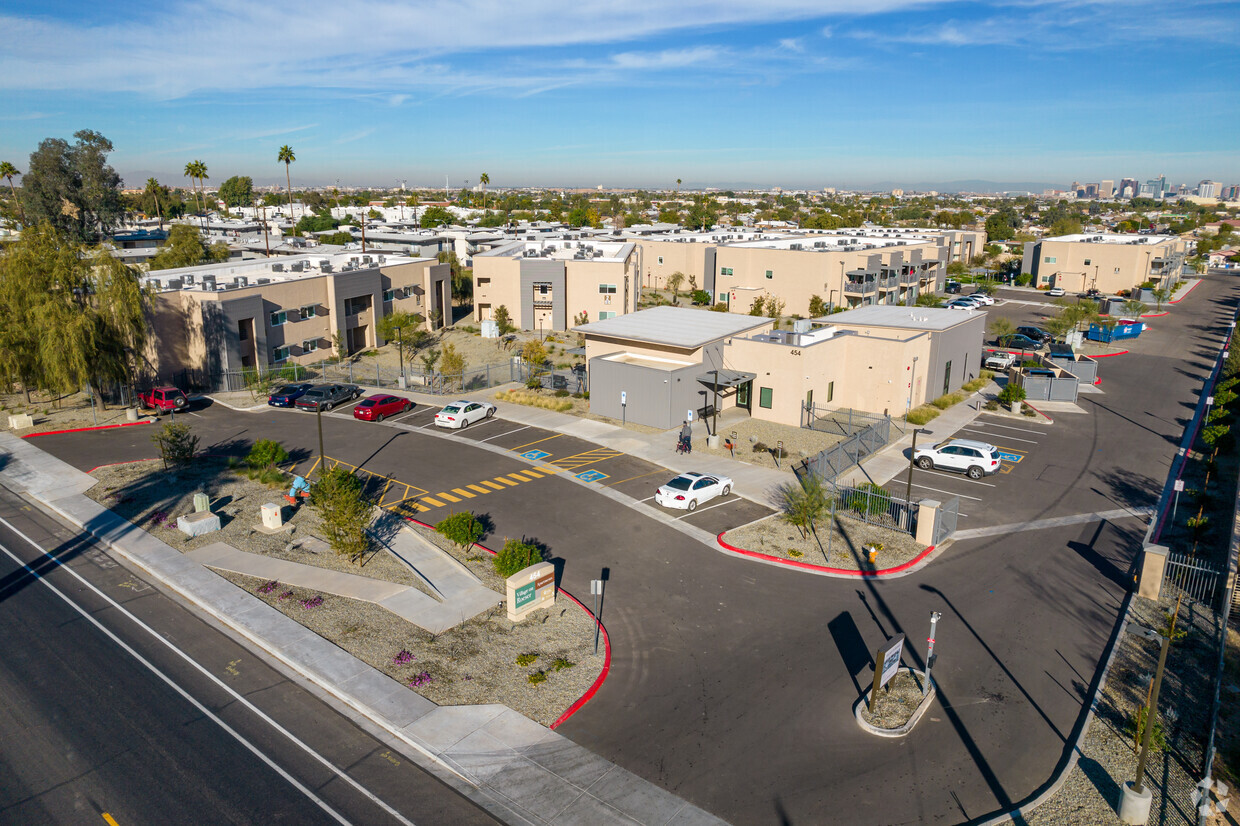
(360, 371)
(842, 421)
(574, 380)
(874, 506)
(833, 461)
(949, 515)
(1195, 579)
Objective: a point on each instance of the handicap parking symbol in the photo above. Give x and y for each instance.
(535, 455)
(592, 476)
(1014, 458)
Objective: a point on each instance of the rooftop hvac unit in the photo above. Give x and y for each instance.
(598, 253)
(382, 259)
(208, 282)
(353, 259)
(326, 266)
(801, 325)
(264, 281)
(298, 266)
(550, 248)
(795, 246)
(189, 279)
(174, 284)
(241, 281)
(366, 259)
(279, 267)
(324, 262)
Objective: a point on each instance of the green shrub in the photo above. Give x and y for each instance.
(946, 401)
(700, 298)
(562, 663)
(1135, 728)
(266, 454)
(177, 445)
(461, 529)
(516, 556)
(526, 659)
(537, 677)
(1011, 393)
(344, 513)
(921, 415)
(561, 393)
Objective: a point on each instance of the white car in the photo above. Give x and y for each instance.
(460, 415)
(688, 490)
(964, 305)
(982, 297)
(1055, 291)
(975, 459)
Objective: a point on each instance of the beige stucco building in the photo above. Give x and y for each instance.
(1107, 262)
(211, 320)
(655, 365)
(549, 283)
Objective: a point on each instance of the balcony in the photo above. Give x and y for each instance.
(860, 287)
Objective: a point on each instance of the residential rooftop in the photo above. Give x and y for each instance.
(1112, 238)
(674, 326)
(235, 274)
(562, 249)
(900, 317)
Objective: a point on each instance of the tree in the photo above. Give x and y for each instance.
(429, 359)
(678, 187)
(452, 363)
(956, 269)
(286, 157)
(1065, 226)
(802, 503)
(177, 445)
(674, 281)
(398, 320)
(73, 188)
(534, 353)
(344, 513)
(237, 191)
(7, 171)
(702, 215)
(200, 170)
(191, 173)
(1001, 226)
(184, 248)
(152, 191)
(503, 321)
(1135, 308)
(1002, 329)
(1163, 292)
(774, 308)
(484, 179)
(436, 216)
(928, 300)
(817, 307)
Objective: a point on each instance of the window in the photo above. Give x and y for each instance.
(1117, 269)
(1087, 262)
(281, 353)
(1050, 259)
(308, 311)
(660, 260)
(482, 282)
(830, 391)
(607, 289)
(606, 314)
(310, 345)
(764, 397)
(770, 274)
(389, 296)
(278, 318)
(725, 270)
(408, 291)
(947, 377)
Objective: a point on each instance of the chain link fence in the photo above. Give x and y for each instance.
(359, 371)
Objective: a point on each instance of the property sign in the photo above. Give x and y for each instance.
(1179, 485)
(530, 589)
(890, 662)
(624, 398)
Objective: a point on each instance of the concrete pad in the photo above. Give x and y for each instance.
(533, 788)
(561, 756)
(691, 815)
(317, 656)
(448, 725)
(398, 704)
(518, 731)
(586, 809)
(637, 798)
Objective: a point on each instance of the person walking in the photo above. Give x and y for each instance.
(686, 436)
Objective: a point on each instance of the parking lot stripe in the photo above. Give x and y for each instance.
(631, 478)
(505, 433)
(478, 488)
(434, 503)
(701, 510)
(948, 492)
(448, 496)
(1001, 435)
(527, 444)
(1009, 427)
(464, 493)
(492, 485)
(504, 481)
(959, 477)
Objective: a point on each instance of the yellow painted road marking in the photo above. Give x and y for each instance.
(507, 482)
(589, 457)
(529, 475)
(433, 503)
(547, 469)
(631, 478)
(448, 496)
(527, 444)
(478, 488)
(492, 485)
(108, 819)
(518, 477)
(407, 504)
(464, 493)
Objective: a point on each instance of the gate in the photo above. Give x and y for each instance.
(874, 506)
(949, 515)
(833, 461)
(1192, 578)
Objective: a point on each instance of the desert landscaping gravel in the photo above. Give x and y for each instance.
(897, 701)
(844, 541)
(57, 413)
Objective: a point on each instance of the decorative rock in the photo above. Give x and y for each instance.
(20, 422)
(197, 524)
(202, 502)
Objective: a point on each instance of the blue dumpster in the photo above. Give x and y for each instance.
(1124, 329)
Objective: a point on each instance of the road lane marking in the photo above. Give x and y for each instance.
(449, 497)
(518, 477)
(491, 485)
(206, 712)
(631, 478)
(504, 481)
(478, 488)
(1000, 435)
(434, 503)
(1054, 522)
(108, 819)
(463, 492)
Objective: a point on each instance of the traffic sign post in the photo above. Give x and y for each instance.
(624, 407)
(935, 616)
(1179, 486)
(596, 588)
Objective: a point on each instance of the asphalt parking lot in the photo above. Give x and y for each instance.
(984, 501)
(411, 494)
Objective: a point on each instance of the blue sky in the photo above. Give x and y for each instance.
(794, 93)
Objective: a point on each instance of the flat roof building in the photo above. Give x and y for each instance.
(1109, 263)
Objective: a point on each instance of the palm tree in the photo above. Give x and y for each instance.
(152, 189)
(484, 179)
(7, 170)
(191, 172)
(286, 157)
(678, 188)
(201, 170)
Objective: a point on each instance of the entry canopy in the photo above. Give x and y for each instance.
(726, 378)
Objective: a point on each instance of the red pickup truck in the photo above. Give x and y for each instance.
(163, 399)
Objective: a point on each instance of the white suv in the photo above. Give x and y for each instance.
(976, 459)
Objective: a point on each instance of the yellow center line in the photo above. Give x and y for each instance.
(549, 438)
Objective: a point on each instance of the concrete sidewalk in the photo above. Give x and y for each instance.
(518, 770)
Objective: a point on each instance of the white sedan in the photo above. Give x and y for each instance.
(688, 490)
(983, 298)
(1055, 292)
(460, 415)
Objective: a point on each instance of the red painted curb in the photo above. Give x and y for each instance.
(1108, 355)
(1098, 380)
(1186, 292)
(792, 563)
(1039, 412)
(598, 682)
(1156, 315)
(83, 429)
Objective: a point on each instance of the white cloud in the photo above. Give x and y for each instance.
(791, 44)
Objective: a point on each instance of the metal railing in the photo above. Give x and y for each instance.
(1194, 578)
(359, 371)
(875, 506)
(830, 463)
(949, 516)
(841, 420)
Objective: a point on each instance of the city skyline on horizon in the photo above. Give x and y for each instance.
(797, 94)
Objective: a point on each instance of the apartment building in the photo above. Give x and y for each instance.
(654, 366)
(223, 318)
(550, 282)
(1106, 262)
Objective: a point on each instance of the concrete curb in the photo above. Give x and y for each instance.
(1039, 412)
(250, 409)
(85, 429)
(912, 721)
(826, 569)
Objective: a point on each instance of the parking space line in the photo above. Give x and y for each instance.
(948, 492)
(959, 477)
(464, 493)
(549, 438)
(1010, 427)
(702, 510)
(647, 499)
(631, 478)
(506, 433)
(1013, 438)
(483, 421)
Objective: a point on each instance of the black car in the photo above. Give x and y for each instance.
(1035, 333)
(1019, 342)
(327, 396)
(286, 395)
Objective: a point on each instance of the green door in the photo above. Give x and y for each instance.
(742, 394)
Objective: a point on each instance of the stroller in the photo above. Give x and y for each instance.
(682, 445)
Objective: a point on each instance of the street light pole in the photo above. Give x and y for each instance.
(908, 489)
(912, 379)
(714, 424)
(318, 414)
(400, 354)
(1151, 712)
(935, 616)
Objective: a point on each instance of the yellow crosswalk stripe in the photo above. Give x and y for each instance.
(507, 482)
(492, 485)
(464, 493)
(434, 503)
(478, 488)
(518, 477)
(449, 497)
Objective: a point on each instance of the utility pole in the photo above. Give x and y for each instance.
(908, 489)
(400, 349)
(318, 414)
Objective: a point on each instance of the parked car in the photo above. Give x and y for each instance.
(1055, 292)
(163, 400)
(326, 396)
(984, 298)
(688, 490)
(1035, 333)
(286, 395)
(999, 361)
(376, 408)
(975, 459)
(1019, 342)
(461, 414)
